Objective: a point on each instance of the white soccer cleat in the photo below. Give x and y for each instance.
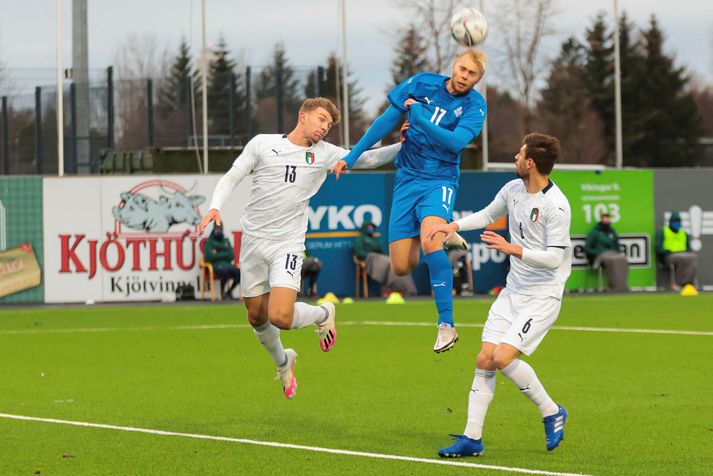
(457, 241)
(328, 331)
(447, 338)
(286, 374)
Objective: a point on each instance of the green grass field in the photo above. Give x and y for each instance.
(639, 402)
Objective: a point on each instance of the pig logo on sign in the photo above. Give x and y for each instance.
(141, 212)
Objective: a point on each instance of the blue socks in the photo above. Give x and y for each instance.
(442, 284)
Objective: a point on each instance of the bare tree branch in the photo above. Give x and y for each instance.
(434, 16)
(523, 25)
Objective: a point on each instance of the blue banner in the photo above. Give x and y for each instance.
(339, 209)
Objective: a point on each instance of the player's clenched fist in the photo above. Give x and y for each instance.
(212, 215)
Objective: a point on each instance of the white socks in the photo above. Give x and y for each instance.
(269, 337)
(481, 394)
(521, 374)
(306, 315)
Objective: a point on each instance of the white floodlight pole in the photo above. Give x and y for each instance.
(60, 98)
(617, 89)
(484, 90)
(204, 88)
(345, 75)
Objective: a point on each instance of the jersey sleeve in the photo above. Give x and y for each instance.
(243, 165)
(488, 215)
(401, 93)
(557, 227)
(474, 116)
(246, 162)
(334, 155)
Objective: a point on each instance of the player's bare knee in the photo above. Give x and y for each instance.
(502, 359)
(256, 319)
(401, 269)
(281, 318)
(485, 361)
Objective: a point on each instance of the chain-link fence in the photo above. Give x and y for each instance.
(107, 117)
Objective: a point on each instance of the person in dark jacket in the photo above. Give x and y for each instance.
(367, 248)
(602, 250)
(673, 248)
(219, 253)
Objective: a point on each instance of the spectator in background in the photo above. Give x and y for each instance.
(311, 266)
(219, 253)
(673, 248)
(602, 249)
(460, 260)
(368, 248)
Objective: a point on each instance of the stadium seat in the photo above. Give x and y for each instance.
(360, 275)
(207, 276)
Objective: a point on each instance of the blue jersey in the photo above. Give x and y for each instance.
(419, 155)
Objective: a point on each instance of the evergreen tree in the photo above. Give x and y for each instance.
(411, 55)
(598, 77)
(221, 69)
(330, 87)
(669, 117)
(173, 94)
(266, 89)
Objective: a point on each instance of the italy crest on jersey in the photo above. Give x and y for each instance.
(534, 214)
(309, 157)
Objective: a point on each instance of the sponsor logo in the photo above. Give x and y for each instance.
(174, 205)
(155, 229)
(635, 246)
(345, 218)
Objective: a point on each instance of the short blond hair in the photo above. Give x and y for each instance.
(477, 56)
(311, 104)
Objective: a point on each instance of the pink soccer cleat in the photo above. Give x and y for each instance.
(287, 375)
(328, 331)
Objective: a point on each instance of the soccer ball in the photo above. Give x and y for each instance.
(469, 27)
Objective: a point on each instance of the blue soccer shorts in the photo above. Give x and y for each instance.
(415, 199)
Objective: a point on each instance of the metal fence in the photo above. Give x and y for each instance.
(110, 115)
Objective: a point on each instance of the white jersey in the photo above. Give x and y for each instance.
(285, 177)
(537, 222)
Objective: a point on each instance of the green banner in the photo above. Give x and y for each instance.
(21, 226)
(628, 197)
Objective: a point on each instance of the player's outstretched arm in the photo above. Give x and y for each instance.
(374, 158)
(381, 126)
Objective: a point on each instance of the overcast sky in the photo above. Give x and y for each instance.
(309, 29)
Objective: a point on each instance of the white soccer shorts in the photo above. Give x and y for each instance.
(267, 264)
(521, 321)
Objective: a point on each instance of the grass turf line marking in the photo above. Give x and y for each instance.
(119, 329)
(345, 323)
(317, 449)
(558, 328)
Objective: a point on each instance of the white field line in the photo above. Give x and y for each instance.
(82, 330)
(343, 323)
(557, 328)
(317, 449)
